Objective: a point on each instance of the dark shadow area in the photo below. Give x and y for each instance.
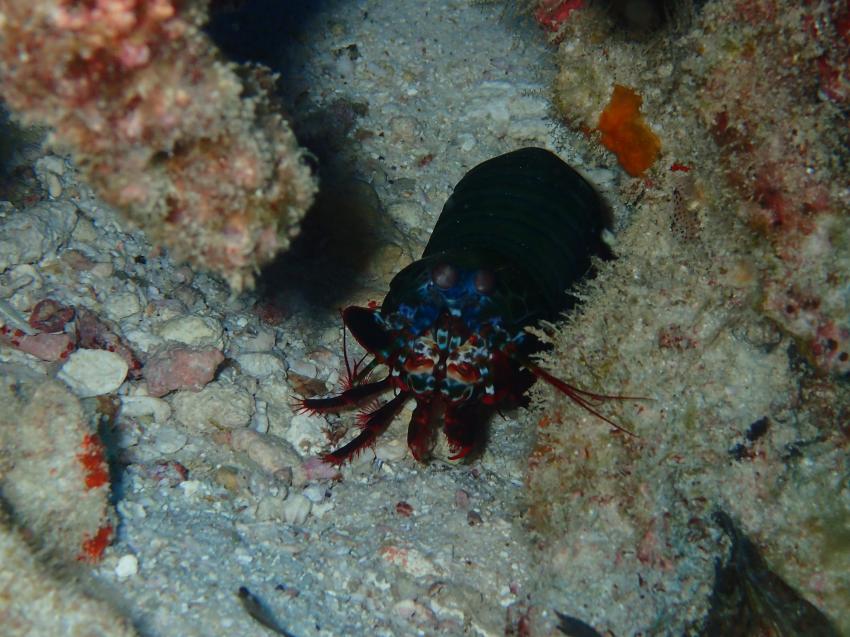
(343, 229)
(338, 237)
(261, 30)
(19, 148)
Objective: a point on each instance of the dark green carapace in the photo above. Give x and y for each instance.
(528, 218)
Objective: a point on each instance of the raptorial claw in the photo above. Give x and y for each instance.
(373, 425)
(349, 398)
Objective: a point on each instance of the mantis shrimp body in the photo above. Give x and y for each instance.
(518, 231)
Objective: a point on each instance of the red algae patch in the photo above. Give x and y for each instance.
(94, 547)
(93, 461)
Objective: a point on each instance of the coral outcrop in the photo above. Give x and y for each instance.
(37, 602)
(749, 95)
(188, 145)
(727, 306)
(71, 517)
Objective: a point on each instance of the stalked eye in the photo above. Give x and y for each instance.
(444, 276)
(484, 281)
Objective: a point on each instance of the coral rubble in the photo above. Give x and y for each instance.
(190, 146)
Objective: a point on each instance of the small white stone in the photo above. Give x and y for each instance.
(315, 493)
(321, 508)
(261, 341)
(260, 364)
(191, 487)
(142, 339)
(273, 454)
(305, 433)
(141, 406)
(54, 185)
(216, 406)
(122, 305)
(270, 508)
(296, 508)
(170, 440)
(404, 128)
(93, 372)
(102, 270)
(392, 449)
(198, 331)
(303, 368)
(53, 164)
(407, 212)
(132, 510)
(467, 142)
(260, 422)
(35, 233)
(128, 565)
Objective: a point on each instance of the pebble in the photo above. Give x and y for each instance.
(462, 499)
(38, 232)
(391, 449)
(179, 367)
(318, 469)
(304, 367)
(122, 305)
(413, 611)
(47, 347)
(304, 432)
(296, 508)
(409, 560)
(467, 142)
(169, 440)
(230, 478)
(387, 260)
(262, 340)
(132, 510)
(407, 212)
(315, 493)
(93, 372)
(197, 331)
(404, 128)
(215, 406)
(273, 454)
(260, 364)
(271, 508)
(54, 185)
(191, 487)
(142, 406)
(128, 565)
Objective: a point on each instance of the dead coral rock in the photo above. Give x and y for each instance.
(36, 602)
(276, 456)
(216, 406)
(161, 125)
(96, 333)
(46, 347)
(52, 468)
(180, 367)
(93, 372)
(29, 235)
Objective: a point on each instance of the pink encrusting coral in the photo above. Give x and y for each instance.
(160, 124)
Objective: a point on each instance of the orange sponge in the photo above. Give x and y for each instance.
(625, 133)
